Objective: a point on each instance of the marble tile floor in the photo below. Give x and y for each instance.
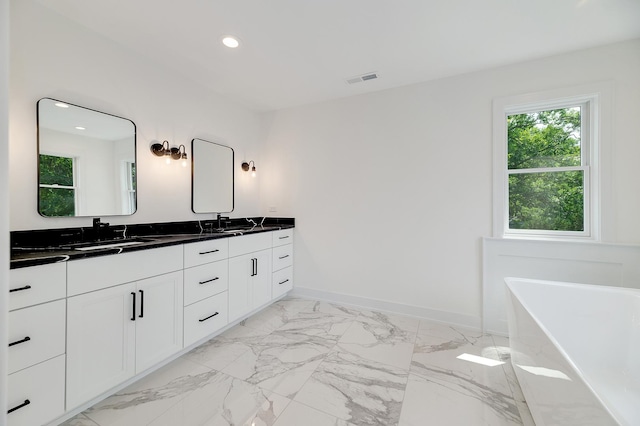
(302, 362)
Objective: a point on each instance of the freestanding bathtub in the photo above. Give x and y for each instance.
(575, 349)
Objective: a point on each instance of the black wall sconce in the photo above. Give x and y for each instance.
(163, 150)
(245, 167)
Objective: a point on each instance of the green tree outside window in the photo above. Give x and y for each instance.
(546, 181)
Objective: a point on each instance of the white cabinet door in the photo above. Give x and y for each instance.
(240, 295)
(100, 342)
(261, 281)
(158, 319)
(249, 283)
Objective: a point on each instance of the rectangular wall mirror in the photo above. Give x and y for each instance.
(86, 161)
(212, 177)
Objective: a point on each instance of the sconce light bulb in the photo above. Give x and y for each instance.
(184, 163)
(253, 172)
(168, 160)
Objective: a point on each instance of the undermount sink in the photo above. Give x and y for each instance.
(96, 245)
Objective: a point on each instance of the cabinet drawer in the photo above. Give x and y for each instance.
(249, 243)
(43, 386)
(36, 334)
(282, 282)
(282, 257)
(205, 252)
(96, 273)
(281, 237)
(205, 281)
(204, 318)
(37, 284)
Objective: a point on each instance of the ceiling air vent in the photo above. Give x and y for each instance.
(363, 77)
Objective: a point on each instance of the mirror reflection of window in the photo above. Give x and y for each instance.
(129, 195)
(57, 185)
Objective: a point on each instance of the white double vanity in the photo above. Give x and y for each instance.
(82, 329)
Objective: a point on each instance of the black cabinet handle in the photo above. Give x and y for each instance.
(26, 287)
(285, 281)
(210, 251)
(17, 342)
(141, 304)
(253, 266)
(17, 407)
(284, 257)
(209, 317)
(133, 315)
(208, 281)
(282, 238)
(256, 267)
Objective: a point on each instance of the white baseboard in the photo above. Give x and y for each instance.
(390, 307)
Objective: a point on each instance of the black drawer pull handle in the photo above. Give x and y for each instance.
(133, 312)
(282, 238)
(283, 257)
(17, 342)
(209, 317)
(210, 251)
(26, 287)
(208, 281)
(285, 281)
(24, 404)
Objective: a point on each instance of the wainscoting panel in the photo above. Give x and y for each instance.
(578, 262)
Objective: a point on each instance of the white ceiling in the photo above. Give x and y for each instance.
(295, 52)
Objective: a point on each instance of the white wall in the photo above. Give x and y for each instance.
(4, 201)
(392, 191)
(54, 57)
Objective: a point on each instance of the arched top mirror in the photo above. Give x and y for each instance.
(86, 161)
(212, 177)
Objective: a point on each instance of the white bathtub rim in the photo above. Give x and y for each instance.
(582, 376)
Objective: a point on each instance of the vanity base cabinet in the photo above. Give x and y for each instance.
(159, 319)
(101, 337)
(116, 333)
(36, 394)
(249, 283)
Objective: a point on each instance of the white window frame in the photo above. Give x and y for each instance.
(590, 98)
(74, 171)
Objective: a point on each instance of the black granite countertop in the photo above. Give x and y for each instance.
(39, 247)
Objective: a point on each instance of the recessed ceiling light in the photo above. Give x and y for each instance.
(230, 42)
(80, 128)
(61, 105)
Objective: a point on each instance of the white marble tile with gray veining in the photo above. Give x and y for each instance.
(154, 394)
(222, 350)
(299, 414)
(356, 390)
(381, 337)
(321, 325)
(456, 401)
(436, 368)
(504, 351)
(224, 400)
(280, 364)
(275, 315)
(79, 420)
(333, 309)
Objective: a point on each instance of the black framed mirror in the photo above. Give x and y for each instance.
(86, 161)
(212, 177)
